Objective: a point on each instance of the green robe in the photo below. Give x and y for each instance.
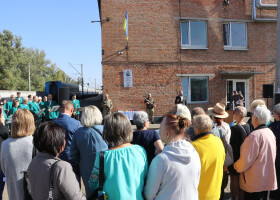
(76, 104)
(22, 106)
(50, 115)
(34, 107)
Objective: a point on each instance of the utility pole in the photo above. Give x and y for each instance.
(95, 85)
(277, 71)
(82, 76)
(29, 81)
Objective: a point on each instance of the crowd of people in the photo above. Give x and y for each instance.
(191, 157)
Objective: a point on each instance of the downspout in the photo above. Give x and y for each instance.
(258, 4)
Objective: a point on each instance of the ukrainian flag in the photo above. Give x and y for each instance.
(125, 25)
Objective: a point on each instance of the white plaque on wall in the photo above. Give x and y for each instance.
(127, 76)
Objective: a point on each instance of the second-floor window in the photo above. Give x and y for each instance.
(235, 36)
(194, 35)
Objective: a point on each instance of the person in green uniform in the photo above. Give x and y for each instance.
(30, 99)
(34, 105)
(19, 98)
(15, 106)
(48, 106)
(76, 104)
(24, 104)
(10, 104)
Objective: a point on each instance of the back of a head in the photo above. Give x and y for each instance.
(263, 114)
(117, 129)
(66, 105)
(178, 119)
(276, 109)
(91, 116)
(49, 137)
(139, 119)
(22, 123)
(197, 111)
(203, 123)
(241, 111)
(257, 102)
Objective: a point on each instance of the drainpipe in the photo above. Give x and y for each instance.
(258, 4)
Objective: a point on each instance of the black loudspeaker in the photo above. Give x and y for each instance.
(63, 94)
(277, 98)
(267, 91)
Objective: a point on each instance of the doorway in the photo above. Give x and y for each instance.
(242, 86)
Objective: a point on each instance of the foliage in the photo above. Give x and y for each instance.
(14, 61)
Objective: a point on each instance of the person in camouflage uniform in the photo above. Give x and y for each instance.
(107, 105)
(150, 107)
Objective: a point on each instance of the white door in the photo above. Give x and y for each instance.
(242, 86)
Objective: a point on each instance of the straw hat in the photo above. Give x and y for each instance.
(219, 111)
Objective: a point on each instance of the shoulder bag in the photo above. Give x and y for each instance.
(100, 194)
(51, 180)
(228, 150)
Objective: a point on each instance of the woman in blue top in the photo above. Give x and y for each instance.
(125, 165)
(86, 142)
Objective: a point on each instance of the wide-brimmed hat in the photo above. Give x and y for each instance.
(219, 111)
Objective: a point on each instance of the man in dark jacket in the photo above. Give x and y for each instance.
(70, 125)
(181, 99)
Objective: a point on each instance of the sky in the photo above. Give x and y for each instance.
(62, 28)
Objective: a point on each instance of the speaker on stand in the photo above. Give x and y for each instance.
(268, 92)
(63, 94)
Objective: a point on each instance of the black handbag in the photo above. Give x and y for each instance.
(51, 180)
(100, 194)
(26, 182)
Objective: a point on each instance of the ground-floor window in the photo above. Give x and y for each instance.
(196, 89)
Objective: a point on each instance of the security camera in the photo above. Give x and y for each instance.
(226, 2)
(120, 52)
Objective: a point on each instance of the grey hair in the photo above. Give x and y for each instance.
(262, 114)
(91, 116)
(276, 109)
(203, 123)
(241, 111)
(117, 129)
(140, 118)
(24, 99)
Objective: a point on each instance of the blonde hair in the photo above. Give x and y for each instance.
(203, 123)
(22, 123)
(257, 102)
(91, 116)
(241, 111)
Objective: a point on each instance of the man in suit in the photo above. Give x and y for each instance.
(181, 99)
(48, 106)
(70, 125)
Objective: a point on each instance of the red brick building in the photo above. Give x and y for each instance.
(205, 48)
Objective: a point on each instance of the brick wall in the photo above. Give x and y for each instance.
(155, 55)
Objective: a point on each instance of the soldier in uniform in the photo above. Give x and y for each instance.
(150, 107)
(76, 104)
(107, 105)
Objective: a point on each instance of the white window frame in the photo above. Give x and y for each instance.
(189, 46)
(188, 97)
(230, 47)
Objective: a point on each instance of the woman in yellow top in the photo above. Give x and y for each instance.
(212, 156)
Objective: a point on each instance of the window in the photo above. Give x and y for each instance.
(194, 35)
(196, 89)
(235, 36)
